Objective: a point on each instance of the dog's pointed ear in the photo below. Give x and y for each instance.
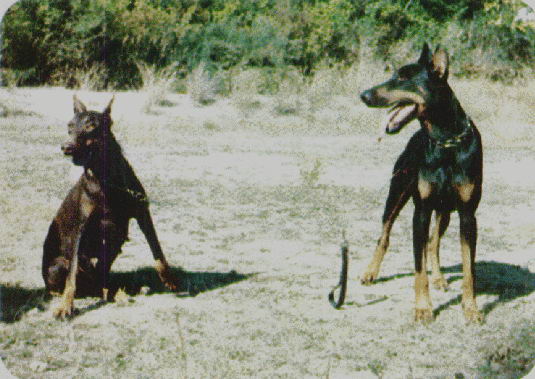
(425, 55)
(440, 63)
(79, 107)
(107, 110)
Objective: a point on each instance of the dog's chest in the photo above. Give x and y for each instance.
(440, 178)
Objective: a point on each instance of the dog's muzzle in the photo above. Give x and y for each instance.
(68, 148)
(367, 97)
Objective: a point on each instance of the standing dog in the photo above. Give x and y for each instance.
(441, 169)
(91, 225)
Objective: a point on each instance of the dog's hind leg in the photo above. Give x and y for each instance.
(144, 221)
(468, 226)
(442, 221)
(54, 266)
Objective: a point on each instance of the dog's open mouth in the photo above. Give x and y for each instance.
(399, 116)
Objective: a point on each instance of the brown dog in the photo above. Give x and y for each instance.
(91, 225)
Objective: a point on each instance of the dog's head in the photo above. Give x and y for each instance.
(88, 130)
(411, 89)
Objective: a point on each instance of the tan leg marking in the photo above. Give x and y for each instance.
(67, 300)
(433, 249)
(105, 292)
(425, 188)
(165, 274)
(465, 191)
(423, 309)
(471, 313)
(372, 271)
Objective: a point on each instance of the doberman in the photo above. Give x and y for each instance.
(441, 168)
(91, 224)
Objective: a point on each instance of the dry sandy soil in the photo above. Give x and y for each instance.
(250, 195)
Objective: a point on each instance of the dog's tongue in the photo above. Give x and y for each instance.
(399, 116)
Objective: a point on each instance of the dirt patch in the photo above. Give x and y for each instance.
(250, 208)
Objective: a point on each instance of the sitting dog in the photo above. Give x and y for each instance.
(91, 224)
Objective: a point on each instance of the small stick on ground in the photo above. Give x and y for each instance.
(342, 284)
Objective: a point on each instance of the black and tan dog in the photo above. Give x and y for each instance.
(441, 169)
(91, 225)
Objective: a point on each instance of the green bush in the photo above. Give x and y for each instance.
(53, 41)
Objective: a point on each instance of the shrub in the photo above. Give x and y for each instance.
(93, 79)
(202, 87)
(49, 41)
(157, 84)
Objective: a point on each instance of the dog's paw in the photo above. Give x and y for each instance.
(63, 311)
(423, 315)
(104, 294)
(166, 277)
(171, 284)
(440, 283)
(169, 281)
(368, 278)
(473, 316)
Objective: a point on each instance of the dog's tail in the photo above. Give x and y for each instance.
(342, 284)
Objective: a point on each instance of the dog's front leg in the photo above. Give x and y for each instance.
(66, 306)
(400, 191)
(146, 225)
(421, 220)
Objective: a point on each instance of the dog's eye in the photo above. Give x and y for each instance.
(406, 72)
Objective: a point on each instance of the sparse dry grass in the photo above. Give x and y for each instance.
(157, 85)
(251, 204)
(92, 79)
(201, 86)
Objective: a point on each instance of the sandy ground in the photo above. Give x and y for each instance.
(251, 205)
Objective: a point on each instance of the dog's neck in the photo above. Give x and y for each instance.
(107, 165)
(444, 119)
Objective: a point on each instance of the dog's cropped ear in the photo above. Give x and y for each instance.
(440, 63)
(425, 55)
(79, 107)
(107, 110)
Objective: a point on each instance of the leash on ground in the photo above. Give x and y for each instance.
(342, 284)
(344, 250)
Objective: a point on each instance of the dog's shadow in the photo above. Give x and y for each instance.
(15, 300)
(191, 283)
(503, 280)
